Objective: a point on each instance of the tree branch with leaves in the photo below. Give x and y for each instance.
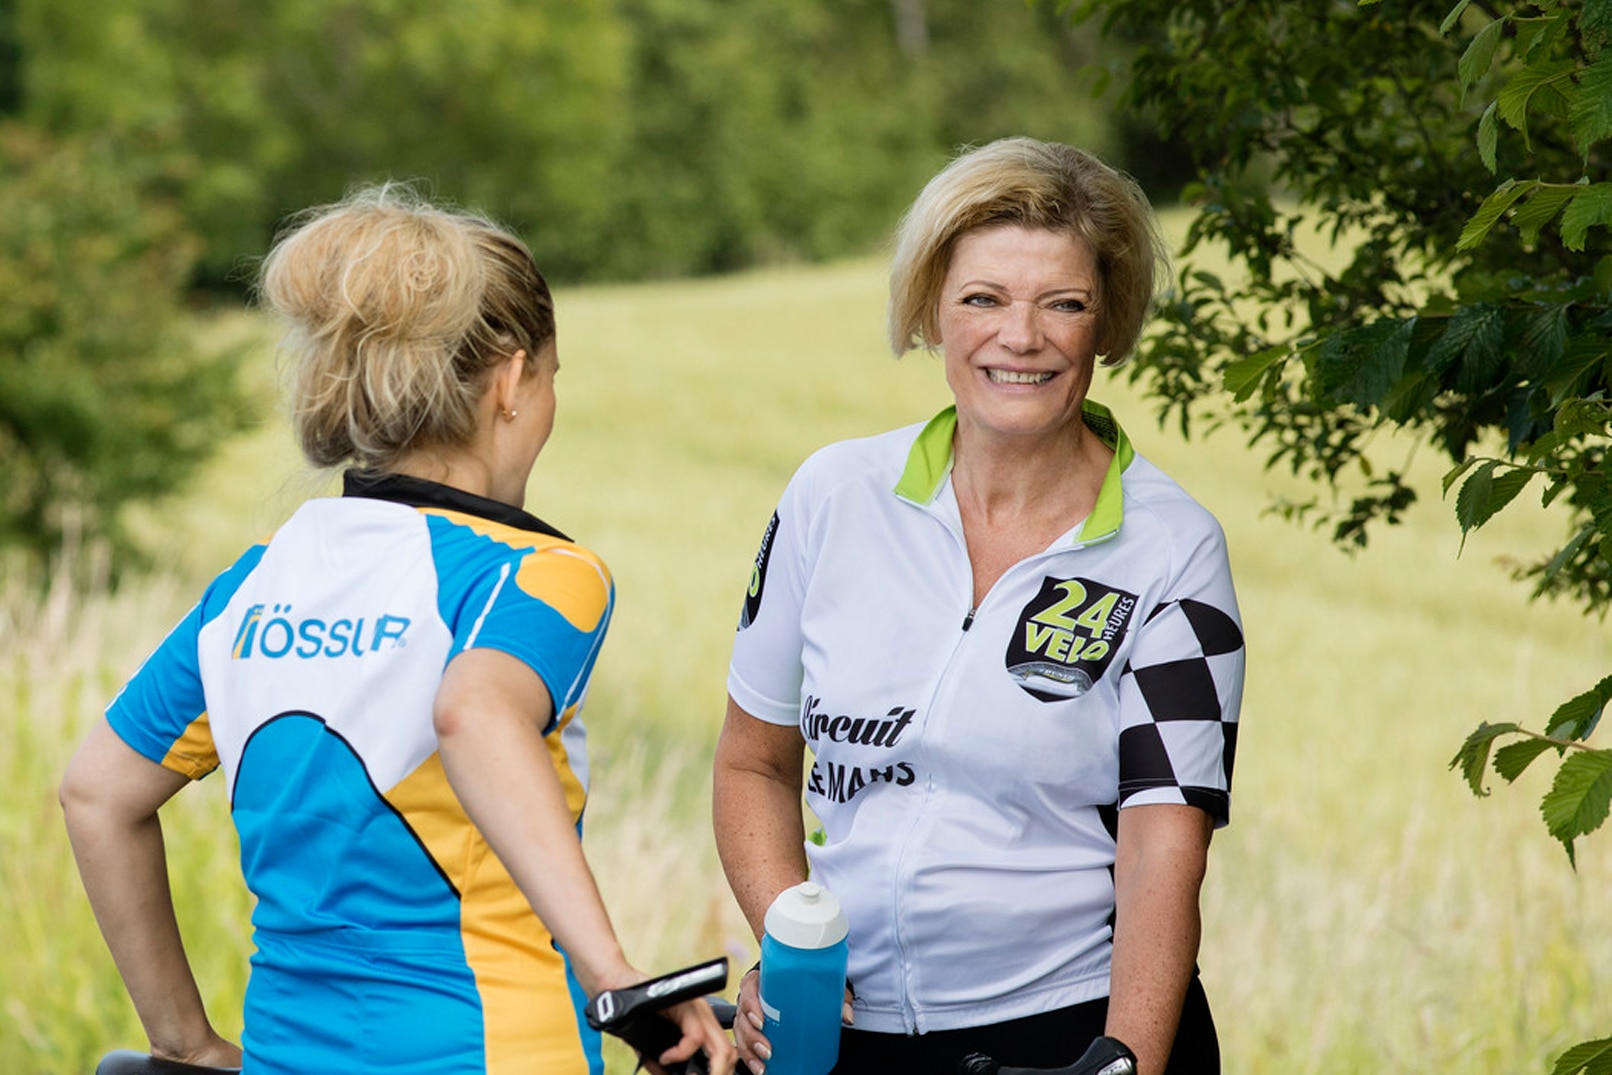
(1459, 158)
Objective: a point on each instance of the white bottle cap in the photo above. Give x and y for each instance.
(806, 916)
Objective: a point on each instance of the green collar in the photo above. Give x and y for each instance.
(931, 460)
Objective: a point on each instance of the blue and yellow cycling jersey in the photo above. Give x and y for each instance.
(389, 936)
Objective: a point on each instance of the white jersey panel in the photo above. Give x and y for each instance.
(365, 657)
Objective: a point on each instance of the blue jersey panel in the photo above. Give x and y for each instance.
(303, 802)
(365, 962)
(488, 608)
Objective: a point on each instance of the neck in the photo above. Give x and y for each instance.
(1054, 480)
(460, 470)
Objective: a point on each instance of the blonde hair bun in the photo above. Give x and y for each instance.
(394, 310)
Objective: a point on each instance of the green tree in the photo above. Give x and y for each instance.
(779, 129)
(624, 138)
(1460, 153)
(254, 110)
(104, 397)
(10, 58)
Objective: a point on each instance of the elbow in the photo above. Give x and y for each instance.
(446, 723)
(77, 795)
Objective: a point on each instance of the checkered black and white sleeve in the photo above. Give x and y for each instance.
(1180, 693)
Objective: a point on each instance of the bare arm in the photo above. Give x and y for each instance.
(490, 713)
(755, 801)
(1162, 855)
(110, 795)
(760, 837)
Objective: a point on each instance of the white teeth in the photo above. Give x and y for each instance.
(1017, 377)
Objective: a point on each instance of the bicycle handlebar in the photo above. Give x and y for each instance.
(632, 1014)
(1105, 1056)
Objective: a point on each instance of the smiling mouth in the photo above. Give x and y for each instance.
(998, 376)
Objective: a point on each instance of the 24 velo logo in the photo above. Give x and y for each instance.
(1066, 637)
(278, 634)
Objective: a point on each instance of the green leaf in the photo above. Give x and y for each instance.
(1490, 211)
(1581, 417)
(1580, 796)
(1511, 759)
(1521, 87)
(1484, 494)
(1489, 137)
(1566, 379)
(1603, 276)
(1454, 16)
(1591, 206)
(1473, 498)
(1563, 555)
(1591, 110)
(1243, 376)
(1586, 1058)
(1358, 365)
(1539, 33)
(1577, 717)
(1546, 201)
(1596, 19)
(1456, 471)
(1473, 756)
(1543, 341)
(1472, 342)
(1479, 55)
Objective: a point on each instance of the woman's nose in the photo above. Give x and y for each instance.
(1020, 330)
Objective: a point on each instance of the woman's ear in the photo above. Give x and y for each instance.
(506, 383)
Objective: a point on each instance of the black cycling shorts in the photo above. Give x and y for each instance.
(1048, 1040)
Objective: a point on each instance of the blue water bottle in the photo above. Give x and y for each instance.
(803, 955)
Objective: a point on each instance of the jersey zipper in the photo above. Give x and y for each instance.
(902, 876)
(920, 816)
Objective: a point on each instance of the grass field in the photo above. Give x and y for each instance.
(1363, 911)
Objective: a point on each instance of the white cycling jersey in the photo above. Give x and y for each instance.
(969, 763)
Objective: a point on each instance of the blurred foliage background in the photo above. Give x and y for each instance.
(150, 148)
(626, 138)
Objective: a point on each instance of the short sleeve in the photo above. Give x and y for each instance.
(1181, 692)
(550, 609)
(162, 711)
(764, 676)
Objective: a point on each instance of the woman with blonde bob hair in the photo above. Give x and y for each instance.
(392, 685)
(1013, 648)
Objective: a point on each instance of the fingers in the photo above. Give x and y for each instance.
(700, 1031)
(753, 1049)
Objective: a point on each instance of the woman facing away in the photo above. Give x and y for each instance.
(1014, 650)
(391, 685)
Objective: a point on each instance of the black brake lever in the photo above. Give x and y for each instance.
(635, 1014)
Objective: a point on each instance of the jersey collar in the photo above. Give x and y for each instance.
(930, 461)
(420, 493)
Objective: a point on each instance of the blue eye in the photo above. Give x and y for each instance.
(979, 299)
(1069, 306)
